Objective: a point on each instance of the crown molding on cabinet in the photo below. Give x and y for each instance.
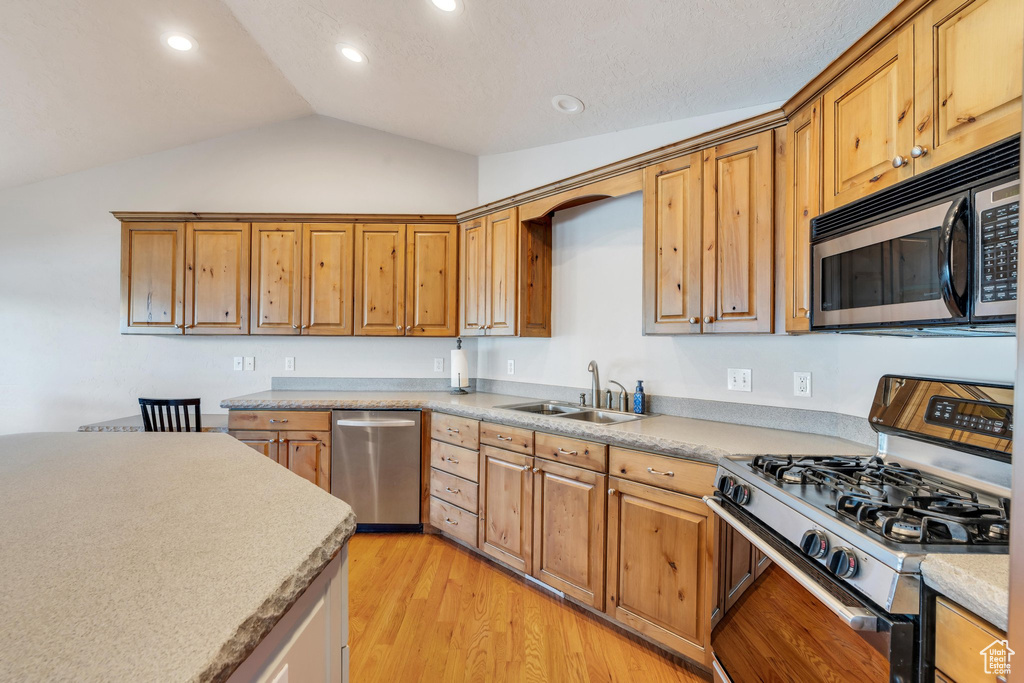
(203, 216)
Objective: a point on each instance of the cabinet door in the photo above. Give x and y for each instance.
(672, 246)
(568, 530)
(431, 308)
(380, 280)
(327, 264)
(502, 260)
(868, 121)
(264, 443)
(276, 278)
(737, 565)
(217, 278)
(968, 72)
(152, 278)
(506, 487)
(803, 202)
(738, 218)
(308, 455)
(660, 565)
(473, 277)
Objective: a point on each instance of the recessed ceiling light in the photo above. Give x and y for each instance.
(452, 6)
(181, 42)
(567, 104)
(350, 53)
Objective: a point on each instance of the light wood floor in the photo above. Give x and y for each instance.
(424, 609)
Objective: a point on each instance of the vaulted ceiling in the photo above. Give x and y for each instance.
(88, 82)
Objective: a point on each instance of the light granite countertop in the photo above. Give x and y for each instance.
(704, 440)
(978, 582)
(212, 422)
(150, 557)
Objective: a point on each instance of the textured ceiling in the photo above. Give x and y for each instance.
(87, 82)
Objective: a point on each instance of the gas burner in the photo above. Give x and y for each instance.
(927, 519)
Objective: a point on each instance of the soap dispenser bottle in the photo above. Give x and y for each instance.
(639, 398)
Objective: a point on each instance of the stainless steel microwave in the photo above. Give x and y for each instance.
(934, 256)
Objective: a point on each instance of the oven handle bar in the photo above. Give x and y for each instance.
(858, 619)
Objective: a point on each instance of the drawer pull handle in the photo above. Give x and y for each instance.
(453, 431)
(273, 421)
(504, 438)
(452, 460)
(449, 521)
(451, 490)
(562, 451)
(663, 474)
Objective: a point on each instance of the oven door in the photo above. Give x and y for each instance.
(910, 270)
(798, 623)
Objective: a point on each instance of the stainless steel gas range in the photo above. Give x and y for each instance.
(851, 531)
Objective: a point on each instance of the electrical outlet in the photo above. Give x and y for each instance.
(739, 380)
(250, 363)
(801, 384)
(511, 367)
(289, 363)
(238, 363)
(439, 365)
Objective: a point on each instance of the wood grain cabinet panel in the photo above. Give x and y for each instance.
(276, 278)
(461, 462)
(738, 267)
(660, 566)
(380, 279)
(473, 277)
(453, 521)
(308, 455)
(968, 73)
(152, 278)
(432, 281)
(960, 636)
(456, 430)
(217, 278)
(737, 566)
(803, 202)
(568, 530)
(672, 246)
(867, 118)
(454, 490)
(502, 263)
(506, 500)
(676, 474)
(327, 265)
(264, 443)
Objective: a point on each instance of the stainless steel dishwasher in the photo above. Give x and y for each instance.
(375, 467)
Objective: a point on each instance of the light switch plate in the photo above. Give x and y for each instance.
(250, 363)
(739, 380)
(511, 367)
(238, 363)
(289, 363)
(801, 384)
(439, 365)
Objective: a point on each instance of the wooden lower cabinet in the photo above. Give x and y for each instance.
(306, 453)
(506, 500)
(737, 566)
(264, 443)
(960, 637)
(661, 561)
(568, 530)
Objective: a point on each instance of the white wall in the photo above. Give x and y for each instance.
(596, 310)
(64, 362)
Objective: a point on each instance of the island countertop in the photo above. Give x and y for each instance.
(150, 557)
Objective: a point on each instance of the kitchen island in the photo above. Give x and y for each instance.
(165, 557)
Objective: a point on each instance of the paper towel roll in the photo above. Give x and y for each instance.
(460, 369)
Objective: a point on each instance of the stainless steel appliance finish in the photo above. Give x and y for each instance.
(375, 466)
(579, 412)
(997, 220)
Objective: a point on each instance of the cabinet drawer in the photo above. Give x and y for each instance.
(460, 431)
(280, 419)
(461, 462)
(959, 638)
(510, 438)
(593, 456)
(454, 490)
(453, 520)
(674, 474)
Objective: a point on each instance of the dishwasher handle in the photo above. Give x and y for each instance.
(376, 423)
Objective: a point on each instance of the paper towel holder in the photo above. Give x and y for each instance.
(460, 369)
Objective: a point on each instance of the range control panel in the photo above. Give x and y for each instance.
(971, 416)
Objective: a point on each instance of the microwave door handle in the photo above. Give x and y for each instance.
(953, 236)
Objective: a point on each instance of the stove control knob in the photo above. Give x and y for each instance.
(843, 563)
(814, 544)
(740, 494)
(726, 484)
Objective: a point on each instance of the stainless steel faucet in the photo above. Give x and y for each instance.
(595, 386)
(622, 397)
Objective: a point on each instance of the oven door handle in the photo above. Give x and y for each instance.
(857, 618)
(953, 234)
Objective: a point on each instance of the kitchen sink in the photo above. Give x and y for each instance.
(573, 412)
(603, 417)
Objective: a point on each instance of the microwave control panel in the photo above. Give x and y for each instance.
(972, 416)
(998, 222)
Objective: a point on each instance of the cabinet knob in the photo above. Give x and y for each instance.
(398, 327)
(899, 161)
(694, 320)
(295, 327)
(408, 328)
(611, 492)
(536, 470)
(526, 467)
(917, 151)
(305, 327)
(180, 327)
(708, 319)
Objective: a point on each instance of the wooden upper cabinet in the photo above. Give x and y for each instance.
(534, 278)
(672, 246)
(431, 308)
(506, 499)
(217, 278)
(738, 219)
(473, 277)
(968, 76)
(380, 280)
(502, 264)
(276, 278)
(152, 278)
(868, 122)
(327, 264)
(803, 202)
